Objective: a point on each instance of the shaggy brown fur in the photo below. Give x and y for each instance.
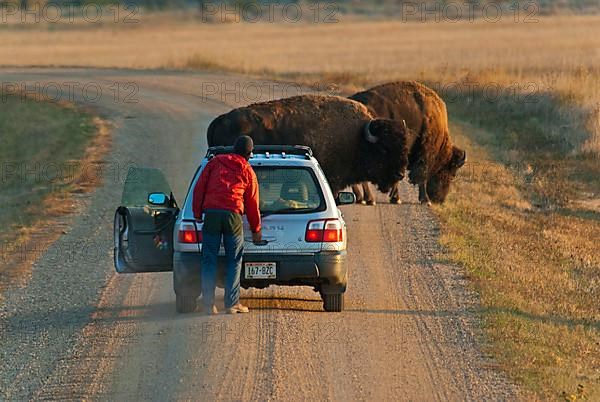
(433, 160)
(333, 127)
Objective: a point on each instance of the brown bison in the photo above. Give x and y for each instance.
(433, 160)
(341, 132)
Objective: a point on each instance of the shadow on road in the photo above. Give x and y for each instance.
(301, 299)
(426, 313)
(282, 303)
(65, 321)
(73, 320)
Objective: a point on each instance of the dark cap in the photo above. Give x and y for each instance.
(243, 145)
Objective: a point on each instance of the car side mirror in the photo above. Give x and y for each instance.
(345, 198)
(158, 199)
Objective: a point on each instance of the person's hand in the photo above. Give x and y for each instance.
(257, 237)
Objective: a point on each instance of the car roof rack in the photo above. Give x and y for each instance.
(261, 149)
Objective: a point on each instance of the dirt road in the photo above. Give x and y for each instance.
(79, 331)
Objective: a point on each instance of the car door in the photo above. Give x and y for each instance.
(143, 225)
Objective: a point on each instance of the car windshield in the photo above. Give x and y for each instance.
(288, 190)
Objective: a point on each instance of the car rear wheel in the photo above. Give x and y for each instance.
(333, 302)
(185, 304)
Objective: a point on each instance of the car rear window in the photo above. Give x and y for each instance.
(288, 190)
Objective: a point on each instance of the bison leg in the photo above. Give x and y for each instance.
(368, 194)
(395, 195)
(358, 194)
(423, 197)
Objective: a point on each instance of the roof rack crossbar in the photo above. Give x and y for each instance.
(288, 149)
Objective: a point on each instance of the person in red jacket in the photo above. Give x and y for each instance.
(227, 189)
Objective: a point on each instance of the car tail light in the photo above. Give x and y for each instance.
(324, 230)
(188, 233)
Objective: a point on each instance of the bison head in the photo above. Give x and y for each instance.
(386, 152)
(438, 185)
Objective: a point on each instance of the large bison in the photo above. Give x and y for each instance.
(349, 143)
(433, 160)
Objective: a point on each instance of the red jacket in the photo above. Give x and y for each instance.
(228, 182)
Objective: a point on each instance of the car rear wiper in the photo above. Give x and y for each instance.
(284, 210)
(263, 242)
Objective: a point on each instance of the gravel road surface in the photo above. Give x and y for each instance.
(77, 331)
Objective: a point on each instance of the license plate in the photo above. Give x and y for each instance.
(261, 270)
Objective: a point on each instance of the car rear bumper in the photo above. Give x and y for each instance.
(325, 271)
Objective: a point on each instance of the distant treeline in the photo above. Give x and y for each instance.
(386, 7)
(147, 4)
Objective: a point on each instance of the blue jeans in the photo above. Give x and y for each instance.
(227, 226)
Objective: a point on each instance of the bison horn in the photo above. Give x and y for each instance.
(459, 157)
(368, 135)
(404, 127)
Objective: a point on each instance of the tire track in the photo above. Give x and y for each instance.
(100, 345)
(393, 215)
(407, 281)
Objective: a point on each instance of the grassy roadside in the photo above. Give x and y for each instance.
(47, 153)
(530, 248)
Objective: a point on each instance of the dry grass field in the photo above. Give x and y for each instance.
(386, 48)
(557, 55)
(523, 98)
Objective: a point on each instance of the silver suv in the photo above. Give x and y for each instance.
(304, 234)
